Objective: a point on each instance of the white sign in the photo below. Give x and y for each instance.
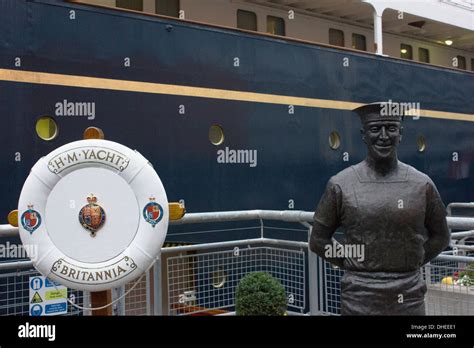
(46, 297)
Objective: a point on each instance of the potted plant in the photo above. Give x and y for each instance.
(259, 293)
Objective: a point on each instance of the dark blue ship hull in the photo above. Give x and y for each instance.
(294, 158)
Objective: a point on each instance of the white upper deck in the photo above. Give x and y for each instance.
(439, 32)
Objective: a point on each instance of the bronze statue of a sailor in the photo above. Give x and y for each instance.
(393, 214)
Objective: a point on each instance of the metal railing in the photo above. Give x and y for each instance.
(202, 278)
(207, 282)
(459, 240)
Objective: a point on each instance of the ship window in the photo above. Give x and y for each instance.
(423, 55)
(219, 277)
(336, 37)
(216, 135)
(167, 7)
(246, 20)
(275, 25)
(136, 5)
(358, 42)
(46, 128)
(334, 140)
(421, 143)
(406, 51)
(461, 62)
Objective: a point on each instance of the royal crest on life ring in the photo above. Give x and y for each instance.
(92, 215)
(153, 212)
(30, 219)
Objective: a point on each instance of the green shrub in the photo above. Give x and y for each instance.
(260, 294)
(469, 272)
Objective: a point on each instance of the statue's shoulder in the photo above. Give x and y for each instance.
(346, 175)
(414, 175)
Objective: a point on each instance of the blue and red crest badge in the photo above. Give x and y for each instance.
(153, 212)
(30, 219)
(92, 215)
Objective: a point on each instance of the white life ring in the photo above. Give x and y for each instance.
(94, 214)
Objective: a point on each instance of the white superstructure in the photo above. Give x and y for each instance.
(439, 32)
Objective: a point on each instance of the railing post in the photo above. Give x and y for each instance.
(86, 303)
(428, 272)
(157, 288)
(148, 293)
(118, 307)
(313, 275)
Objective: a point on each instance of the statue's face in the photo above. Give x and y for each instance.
(382, 138)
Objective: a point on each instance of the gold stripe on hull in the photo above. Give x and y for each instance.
(199, 92)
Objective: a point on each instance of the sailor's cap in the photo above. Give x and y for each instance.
(381, 111)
